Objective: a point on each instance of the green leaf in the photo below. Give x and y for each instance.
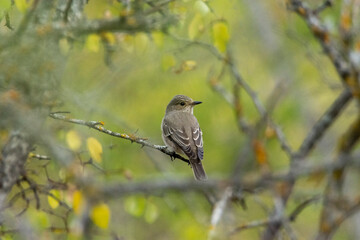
(221, 35)
(39, 219)
(151, 212)
(195, 27)
(135, 205)
(201, 7)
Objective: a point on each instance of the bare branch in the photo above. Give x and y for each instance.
(14, 154)
(98, 125)
(262, 223)
(219, 210)
(326, 120)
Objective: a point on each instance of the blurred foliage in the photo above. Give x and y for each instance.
(126, 79)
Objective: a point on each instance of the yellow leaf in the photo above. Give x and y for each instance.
(221, 35)
(52, 201)
(95, 149)
(73, 140)
(21, 5)
(167, 61)
(93, 43)
(189, 65)
(195, 27)
(78, 202)
(109, 37)
(100, 215)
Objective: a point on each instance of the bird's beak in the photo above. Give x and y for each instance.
(195, 102)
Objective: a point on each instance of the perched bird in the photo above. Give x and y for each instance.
(181, 132)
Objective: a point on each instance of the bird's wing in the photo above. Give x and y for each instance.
(180, 137)
(197, 137)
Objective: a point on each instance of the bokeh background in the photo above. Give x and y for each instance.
(127, 79)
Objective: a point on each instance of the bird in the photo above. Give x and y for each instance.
(181, 132)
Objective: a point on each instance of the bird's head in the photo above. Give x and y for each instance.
(181, 103)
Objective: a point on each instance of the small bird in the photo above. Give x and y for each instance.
(181, 132)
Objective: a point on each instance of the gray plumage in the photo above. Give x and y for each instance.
(181, 132)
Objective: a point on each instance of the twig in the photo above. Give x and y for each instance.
(7, 21)
(333, 192)
(219, 210)
(99, 126)
(38, 156)
(326, 4)
(67, 9)
(291, 218)
(186, 185)
(347, 76)
(158, 7)
(326, 120)
(129, 24)
(236, 74)
(321, 33)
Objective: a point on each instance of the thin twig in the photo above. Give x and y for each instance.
(326, 120)
(291, 218)
(219, 210)
(98, 125)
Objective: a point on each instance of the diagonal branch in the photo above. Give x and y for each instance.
(326, 120)
(99, 125)
(290, 218)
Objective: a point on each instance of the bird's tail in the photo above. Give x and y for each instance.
(198, 170)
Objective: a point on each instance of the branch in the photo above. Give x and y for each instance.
(347, 76)
(129, 24)
(219, 210)
(326, 120)
(291, 218)
(322, 34)
(238, 78)
(326, 4)
(333, 192)
(98, 125)
(12, 161)
(186, 185)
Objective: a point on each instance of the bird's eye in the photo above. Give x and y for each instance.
(182, 104)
